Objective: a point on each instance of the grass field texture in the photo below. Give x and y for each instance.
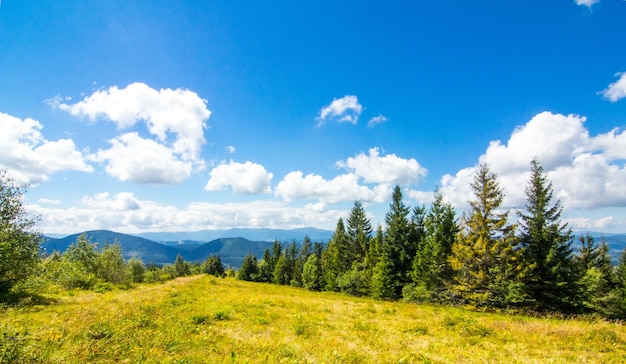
(202, 319)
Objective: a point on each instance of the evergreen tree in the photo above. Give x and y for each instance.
(483, 255)
(281, 271)
(431, 269)
(266, 267)
(291, 257)
(597, 278)
(19, 242)
(359, 231)
(550, 275)
(305, 250)
(214, 266)
(398, 251)
(180, 268)
(312, 273)
(336, 258)
(249, 268)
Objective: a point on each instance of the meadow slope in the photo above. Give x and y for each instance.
(202, 319)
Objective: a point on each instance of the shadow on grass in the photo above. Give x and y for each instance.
(21, 298)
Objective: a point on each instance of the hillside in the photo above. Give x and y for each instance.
(231, 250)
(202, 319)
(250, 234)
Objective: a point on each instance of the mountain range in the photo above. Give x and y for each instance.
(162, 248)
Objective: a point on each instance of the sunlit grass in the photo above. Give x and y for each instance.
(202, 319)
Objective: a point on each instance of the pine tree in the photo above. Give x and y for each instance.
(597, 279)
(266, 267)
(305, 251)
(312, 273)
(399, 250)
(550, 275)
(249, 268)
(431, 269)
(336, 258)
(359, 230)
(483, 255)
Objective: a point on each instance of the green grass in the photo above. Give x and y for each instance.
(202, 319)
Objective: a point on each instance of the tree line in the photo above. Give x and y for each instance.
(480, 259)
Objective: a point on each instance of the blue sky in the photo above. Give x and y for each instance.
(190, 115)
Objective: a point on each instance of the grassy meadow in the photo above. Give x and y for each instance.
(202, 319)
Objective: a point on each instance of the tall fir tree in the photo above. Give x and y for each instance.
(483, 257)
(337, 257)
(398, 251)
(431, 269)
(305, 250)
(359, 231)
(550, 277)
(597, 279)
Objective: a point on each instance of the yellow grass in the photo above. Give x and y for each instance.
(202, 319)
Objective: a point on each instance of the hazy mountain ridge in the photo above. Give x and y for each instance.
(230, 249)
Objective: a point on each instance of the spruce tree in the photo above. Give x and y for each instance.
(398, 251)
(305, 250)
(336, 258)
(431, 269)
(359, 231)
(597, 278)
(312, 273)
(550, 275)
(483, 255)
(249, 268)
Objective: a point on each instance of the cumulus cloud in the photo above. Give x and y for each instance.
(176, 119)
(244, 178)
(376, 120)
(344, 110)
(143, 161)
(587, 3)
(29, 157)
(346, 187)
(126, 213)
(389, 169)
(586, 171)
(616, 90)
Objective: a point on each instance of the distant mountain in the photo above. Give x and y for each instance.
(230, 250)
(316, 235)
(132, 246)
(616, 243)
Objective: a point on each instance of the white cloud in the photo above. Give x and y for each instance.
(346, 187)
(376, 120)
(616, 90)
(344, 110)
(176, 118)
(29, 157)
(588, 224)
(244, 178)
(389, 169)
(587, 3)
(231, 149)
(143, 161)
(49, 201)
(125, 213)
(586, 171)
